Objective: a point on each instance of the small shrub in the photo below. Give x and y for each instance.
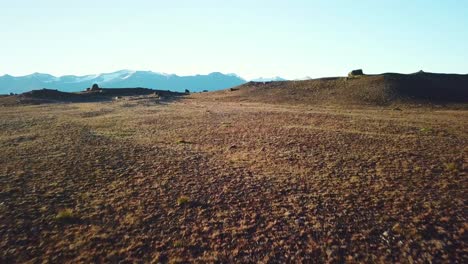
(43, 209)
(129, 219)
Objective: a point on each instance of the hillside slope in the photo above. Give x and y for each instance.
(382, 89)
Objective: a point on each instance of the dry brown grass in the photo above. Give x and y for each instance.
(283, 183)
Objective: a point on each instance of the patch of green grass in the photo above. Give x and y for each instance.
(117, 134)
(178, 244)
(354, 179)
(66, 215)
(452, 166)
(183, 200)
(182, 141)
(425, 130)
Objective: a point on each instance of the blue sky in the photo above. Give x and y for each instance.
(292, 39)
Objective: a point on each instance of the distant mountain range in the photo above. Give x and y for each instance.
(120, 79)
(273, 79)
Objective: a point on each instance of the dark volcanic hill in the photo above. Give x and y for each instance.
(382, 89)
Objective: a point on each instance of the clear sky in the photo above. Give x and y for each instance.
(253, 38)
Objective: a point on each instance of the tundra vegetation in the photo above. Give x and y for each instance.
(221, 177)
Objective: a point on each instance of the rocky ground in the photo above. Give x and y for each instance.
(195, 180)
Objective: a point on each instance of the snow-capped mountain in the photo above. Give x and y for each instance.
(119, 79)
(272, 79)
(42, 77)
(304, 78)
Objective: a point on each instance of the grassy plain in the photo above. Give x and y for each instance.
(207, 180)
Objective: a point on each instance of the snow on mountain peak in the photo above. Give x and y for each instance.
(120, 79)
(271, 79)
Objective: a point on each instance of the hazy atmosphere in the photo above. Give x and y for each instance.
(292, 39)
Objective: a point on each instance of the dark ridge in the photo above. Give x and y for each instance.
(131, 92)
(55, 95)
(430, 86)
(101, 94)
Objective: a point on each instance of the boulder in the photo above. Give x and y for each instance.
(355, 73)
